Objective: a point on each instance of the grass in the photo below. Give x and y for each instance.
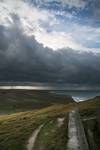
(46, 135)
(15, 129)
(23, 100)
(52, 137)
(92, 130)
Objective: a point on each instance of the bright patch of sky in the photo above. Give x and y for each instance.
(56, 24)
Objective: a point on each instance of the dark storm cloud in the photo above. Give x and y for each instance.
(23, 59)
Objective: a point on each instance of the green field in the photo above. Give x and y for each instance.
(23, 100)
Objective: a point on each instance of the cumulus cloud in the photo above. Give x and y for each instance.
(27, 45)
(24, 59)
(44, 26)
(24, 10)
(56, 41)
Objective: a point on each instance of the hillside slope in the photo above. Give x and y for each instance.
(24, 100)
(16, 129)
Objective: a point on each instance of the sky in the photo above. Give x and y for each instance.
(50, 41)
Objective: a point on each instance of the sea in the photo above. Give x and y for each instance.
(79, 95)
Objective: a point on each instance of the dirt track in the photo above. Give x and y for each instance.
(32, 139)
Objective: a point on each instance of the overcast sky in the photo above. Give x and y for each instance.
(50, 41)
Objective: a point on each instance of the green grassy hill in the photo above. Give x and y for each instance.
(24, 100)
(15, 129)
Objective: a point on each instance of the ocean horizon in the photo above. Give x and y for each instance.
(76, 94)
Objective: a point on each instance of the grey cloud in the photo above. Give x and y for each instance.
(24, 59)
